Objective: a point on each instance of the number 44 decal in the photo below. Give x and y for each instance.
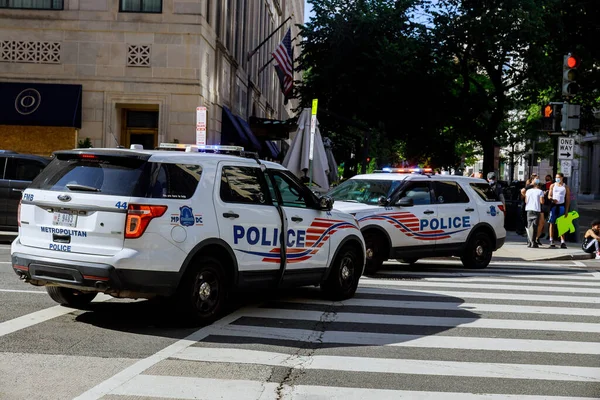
(121, 205)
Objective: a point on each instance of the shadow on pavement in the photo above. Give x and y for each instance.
(300, 312)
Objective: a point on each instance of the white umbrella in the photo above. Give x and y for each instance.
(296, 159)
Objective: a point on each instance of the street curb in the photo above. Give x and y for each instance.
(564, 257)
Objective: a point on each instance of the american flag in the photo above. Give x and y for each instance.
(284, 67)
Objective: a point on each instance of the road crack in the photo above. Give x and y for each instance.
(302, 357)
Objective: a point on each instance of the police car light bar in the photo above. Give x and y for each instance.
(408, 170)
(190, 148)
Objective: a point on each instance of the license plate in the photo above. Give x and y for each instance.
(65, 219)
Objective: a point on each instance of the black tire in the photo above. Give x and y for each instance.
(203, 291)
(409, 261)
(478, 253)
(70, 297)
(345, 273)
(377, 251)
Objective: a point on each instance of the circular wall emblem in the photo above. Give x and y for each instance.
(28, 101)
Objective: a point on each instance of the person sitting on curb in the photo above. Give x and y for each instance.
(534, 198)
(591, 239)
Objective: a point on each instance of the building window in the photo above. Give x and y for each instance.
(33, 4)
(141, 6)
(138, 55)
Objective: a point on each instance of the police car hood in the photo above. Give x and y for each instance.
(352, 207)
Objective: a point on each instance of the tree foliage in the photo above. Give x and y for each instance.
(428, 80)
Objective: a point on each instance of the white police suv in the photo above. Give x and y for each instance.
(411, 214)
(192, 225)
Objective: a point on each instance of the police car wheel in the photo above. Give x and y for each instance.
(204, 291)
(343, 278)
(478, 252)
(70, 297)
(376, 250)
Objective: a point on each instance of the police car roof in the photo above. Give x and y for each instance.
(389, 176)
(174, 156)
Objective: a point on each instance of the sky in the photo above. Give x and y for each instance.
(307, 11)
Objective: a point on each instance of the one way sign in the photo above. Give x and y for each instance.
(565, 148)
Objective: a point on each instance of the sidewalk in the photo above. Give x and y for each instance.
(515, 248)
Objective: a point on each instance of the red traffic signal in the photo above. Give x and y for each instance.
(572, 62)
(547, 111)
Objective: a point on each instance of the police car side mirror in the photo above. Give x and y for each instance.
(326, 203)
(382, 201)
(406, 202)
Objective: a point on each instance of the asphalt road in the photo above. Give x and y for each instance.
(530, 331)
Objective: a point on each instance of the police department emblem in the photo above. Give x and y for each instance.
(186, 216)
(28, 101)
(492, 211)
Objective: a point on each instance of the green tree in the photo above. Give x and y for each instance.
(491, 42)
(378, 79)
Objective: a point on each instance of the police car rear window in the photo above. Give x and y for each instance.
(120, 176)
(484, 191)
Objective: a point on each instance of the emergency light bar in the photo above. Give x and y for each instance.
(407, 170)
(192, 148)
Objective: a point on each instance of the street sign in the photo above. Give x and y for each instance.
(566, 166)
(566, 147)
(200, 126)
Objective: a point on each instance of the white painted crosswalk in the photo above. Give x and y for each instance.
(501, 333)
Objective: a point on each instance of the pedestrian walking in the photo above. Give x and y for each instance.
(534, 198)
(560, 195)
(496, 187)
(534, 178)
(591, 239)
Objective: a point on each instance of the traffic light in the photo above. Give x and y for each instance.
(552, 117)
(570, 74)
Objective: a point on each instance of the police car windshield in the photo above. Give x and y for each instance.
(366, 191)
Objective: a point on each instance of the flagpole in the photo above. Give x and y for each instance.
(250, 55)
(253, 52)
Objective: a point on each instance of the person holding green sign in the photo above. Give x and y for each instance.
(560, 196)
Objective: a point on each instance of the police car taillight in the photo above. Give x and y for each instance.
(138, 218)
(501, 208)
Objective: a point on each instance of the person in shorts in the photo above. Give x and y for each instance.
(591, 240)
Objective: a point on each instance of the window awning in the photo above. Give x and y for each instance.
(233, 132)
(40, 104)
(269, 149)
(273, 129)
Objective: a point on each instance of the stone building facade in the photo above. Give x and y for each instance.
(142, 66)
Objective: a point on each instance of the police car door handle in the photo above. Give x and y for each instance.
(469, 209)
(428, 212)
(231, 215)
(296, 219)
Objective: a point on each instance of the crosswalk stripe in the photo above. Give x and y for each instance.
(421, 341)
(418, 288)
(175, 387)
(393, 366)
(487, 323)
(178, 387)
(462, 284)
(338, 393)
(500, 273)
(467, 306)
(515, 281)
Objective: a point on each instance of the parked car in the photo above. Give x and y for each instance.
(16, 173)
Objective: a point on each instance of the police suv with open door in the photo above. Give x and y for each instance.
(409, 214)
(192, 224)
